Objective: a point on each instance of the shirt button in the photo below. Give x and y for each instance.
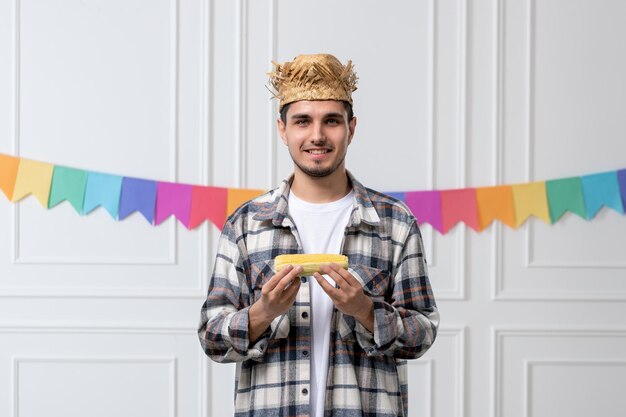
(305, 391)
(305, 352)
(305, 315)
(303, 280)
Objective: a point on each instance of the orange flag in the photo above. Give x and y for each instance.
(495, 203)
(237, 196)
(8, 174)
(531, 199)
(33, 178)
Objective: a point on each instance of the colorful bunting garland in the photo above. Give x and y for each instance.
(194, 204)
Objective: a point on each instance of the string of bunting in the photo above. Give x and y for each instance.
(194, 204)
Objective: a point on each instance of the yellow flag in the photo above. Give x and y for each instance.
(531, 199)
(237, 197)
(33, 178)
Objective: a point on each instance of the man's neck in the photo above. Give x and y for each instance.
(321, 190)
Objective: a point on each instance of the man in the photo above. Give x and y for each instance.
(334, 345)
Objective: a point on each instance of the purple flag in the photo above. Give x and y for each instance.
(139, 195)
(426, 207)
(400, 195)
(173, 198)
(621, 177)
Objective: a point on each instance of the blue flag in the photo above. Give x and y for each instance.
(103, 190)
(138, 194)
(601, 190)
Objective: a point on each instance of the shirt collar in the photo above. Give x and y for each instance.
(277, 210)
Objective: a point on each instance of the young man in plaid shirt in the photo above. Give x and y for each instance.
(333, 344)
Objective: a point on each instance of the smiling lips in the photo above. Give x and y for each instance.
(317, 151)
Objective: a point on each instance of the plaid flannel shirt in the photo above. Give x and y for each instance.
(367, 371)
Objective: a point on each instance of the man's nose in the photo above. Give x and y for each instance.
(317, 134)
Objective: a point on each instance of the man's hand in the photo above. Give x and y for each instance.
(348, 297)
(277, 296)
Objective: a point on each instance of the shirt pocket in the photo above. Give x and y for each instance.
(260, 273)
(375, 281)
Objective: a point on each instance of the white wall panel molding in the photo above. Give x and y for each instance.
(530, 233)
(444, 364)
(241, 92)
(170, 258)
(272, 106)
(423, 367)
(205, 52)
(521, 348)
(100, 328)
(168, 363)
(496, 140)
(458, 291)
(530, 279)
(532, 366)
(167, 358)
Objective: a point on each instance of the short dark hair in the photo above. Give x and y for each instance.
(346, 105)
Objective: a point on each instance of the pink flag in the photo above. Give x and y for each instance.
(426, 207)
(208, 203)
(459, 205)
(173, 198)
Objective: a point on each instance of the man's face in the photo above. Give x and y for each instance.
(317, 134)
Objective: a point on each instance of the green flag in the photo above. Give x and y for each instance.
(68, 184)
(565, 195)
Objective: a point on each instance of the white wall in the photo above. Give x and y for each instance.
(453, 93)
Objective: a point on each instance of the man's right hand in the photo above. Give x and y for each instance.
(277, 296)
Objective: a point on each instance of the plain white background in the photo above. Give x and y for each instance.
(98, 317)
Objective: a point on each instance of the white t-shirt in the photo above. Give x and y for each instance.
(321, 228)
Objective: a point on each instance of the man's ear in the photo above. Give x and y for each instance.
(281, 130)
(351, 129)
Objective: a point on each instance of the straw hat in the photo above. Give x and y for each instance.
(313, 77)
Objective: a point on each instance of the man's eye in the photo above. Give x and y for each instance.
(300, 122)
(332, 121)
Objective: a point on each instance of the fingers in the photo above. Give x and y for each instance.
(338, 274)
(326, 286)
(282, 278)
(275, 279)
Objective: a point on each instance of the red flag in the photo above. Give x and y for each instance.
(459, 205)
(208, 203)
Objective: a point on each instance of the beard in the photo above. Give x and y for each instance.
(318, 171)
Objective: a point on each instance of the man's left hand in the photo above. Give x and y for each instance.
(348, 296)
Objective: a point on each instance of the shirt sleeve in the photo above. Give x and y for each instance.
(405, 323)
(223, 329)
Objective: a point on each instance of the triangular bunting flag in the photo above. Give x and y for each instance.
(531, 200)
(33, 178)
(495, 203)
(601, 190)
(565, 195)
(173, 199)
(237, 196)
(68, 184)
(459, 205)
(621, 178)
(103, 190)
(138, 195)
(426, 207)
(8, 174)
(208, 203)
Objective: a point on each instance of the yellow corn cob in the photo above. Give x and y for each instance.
(310, 262)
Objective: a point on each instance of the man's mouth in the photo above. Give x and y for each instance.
(318, 151)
